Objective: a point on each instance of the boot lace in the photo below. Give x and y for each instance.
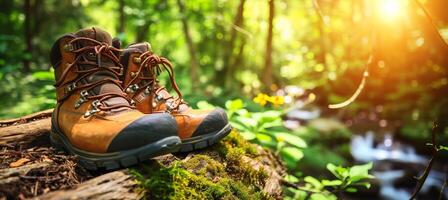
(99, 50)
(155, 65)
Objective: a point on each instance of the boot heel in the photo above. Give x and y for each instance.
(56, 141)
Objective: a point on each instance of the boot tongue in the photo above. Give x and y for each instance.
(96, 34)
(141, 47)
(103, 37)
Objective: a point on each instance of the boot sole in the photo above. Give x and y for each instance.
(203, 141)
(116, 160)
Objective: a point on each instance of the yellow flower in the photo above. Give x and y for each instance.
(277, 100)
(261, 99)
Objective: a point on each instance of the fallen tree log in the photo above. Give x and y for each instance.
(31, 168)
(113, 185)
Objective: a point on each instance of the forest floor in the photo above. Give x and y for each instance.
(31, 168)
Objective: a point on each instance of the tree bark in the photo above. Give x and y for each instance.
(27, 9)
(113, 185)
(194, 63)
(267, 77)
(142, 31)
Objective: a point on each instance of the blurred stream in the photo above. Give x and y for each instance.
(394, 161)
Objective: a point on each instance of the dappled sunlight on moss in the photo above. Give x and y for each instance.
(226, 174)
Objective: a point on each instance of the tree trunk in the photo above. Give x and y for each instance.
(121, 17)
(142, 31)
(27, 9)
(267, 76)
(228, 68)
(237, 62)
(194, 63)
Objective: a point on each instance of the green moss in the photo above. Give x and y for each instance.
(222, 172)
(204, 165)
(176, 182)
(233, 140)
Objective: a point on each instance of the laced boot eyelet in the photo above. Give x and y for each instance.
(132, 88)
(91, 55)
(69, 88)
(137, 60)
(147, 90)
(68, 48)
(93, 110)
(159, 98)
(82, 99)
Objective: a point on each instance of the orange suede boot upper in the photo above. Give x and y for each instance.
(93, 113)
(140, 82)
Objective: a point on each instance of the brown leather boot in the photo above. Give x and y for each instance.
(197, 128)
(94, 119)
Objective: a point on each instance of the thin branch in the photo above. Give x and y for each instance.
(358, 91)
(297, 186)
(431, 20)
(444, 184)
(422, 178)
(319, 12)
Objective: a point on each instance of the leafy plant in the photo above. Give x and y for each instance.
(266, 128)
(348, 179)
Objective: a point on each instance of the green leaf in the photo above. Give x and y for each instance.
(204, 105)
(243, 112)
(295, 153)
(248, 135)
(314, 182)
(359, 172)
(291, 139)
(239, 126)
(365, 184)
(271, 124)
(234, 104)
(337, 171)
(247, 121)
(443, 148)
(44, 75)
(291, 178)
(351, 189)
(263, 138)
(291, 155)
(332, 182)
(267, 116)
(320, 196)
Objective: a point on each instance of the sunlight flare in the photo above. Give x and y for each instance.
(390, 9)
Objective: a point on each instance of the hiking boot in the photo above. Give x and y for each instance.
(196, 128)
(93, 118)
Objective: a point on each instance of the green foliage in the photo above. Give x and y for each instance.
(26, 94)
(266, 128)
(348, 179)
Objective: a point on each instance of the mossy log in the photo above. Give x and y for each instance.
(231, 169)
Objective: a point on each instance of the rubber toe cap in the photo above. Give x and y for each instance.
(214, 121)
(143, 131)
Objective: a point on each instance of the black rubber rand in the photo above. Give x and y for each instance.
(115, 160)
(203, 141)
